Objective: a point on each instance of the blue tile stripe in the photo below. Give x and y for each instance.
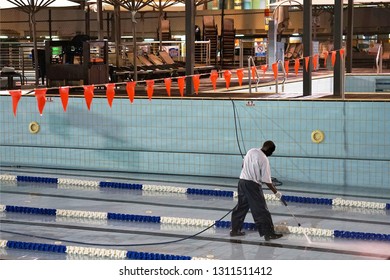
(189, 191)
(62, 249)
(217, 224)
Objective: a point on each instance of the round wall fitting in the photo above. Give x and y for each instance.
(317, 136)
(33, 127)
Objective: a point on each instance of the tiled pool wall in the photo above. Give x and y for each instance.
(199, 137)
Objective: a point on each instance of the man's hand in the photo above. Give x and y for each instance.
(278, 195)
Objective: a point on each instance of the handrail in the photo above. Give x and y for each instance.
(284, 78)
(251, 63)
(379, 59)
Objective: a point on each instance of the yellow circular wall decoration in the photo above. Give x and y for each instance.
(33, 127)
(317, 136)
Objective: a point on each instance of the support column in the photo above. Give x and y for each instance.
(190, 44)
(349, 37)
(338, 71)
(307, 46)
(100, 20)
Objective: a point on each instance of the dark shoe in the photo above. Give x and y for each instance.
(274, 235)
(236, 233)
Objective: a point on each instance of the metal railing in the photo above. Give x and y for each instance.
(252, 65)
(277, 78)
(379, 59)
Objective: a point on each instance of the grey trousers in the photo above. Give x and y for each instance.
(251, 196)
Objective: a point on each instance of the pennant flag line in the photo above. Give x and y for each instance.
(88, 95)
(40, 93)
(64, 95)
(240, 75)
(150, 88)
(213, 78)
(286, 67)
(296, 66)
(228, 75)
(275, 69)
(168, 83)
(16, 95)
(110, 93)
(181, 83)
(196, 82)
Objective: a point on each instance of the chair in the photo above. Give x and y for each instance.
(168, 63)
(210, 32)
(228, 40)
(290, 50)
(157, 70)
(168, 60)
(142, 71)
(298, 51)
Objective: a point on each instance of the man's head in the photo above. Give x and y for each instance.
(268, 148)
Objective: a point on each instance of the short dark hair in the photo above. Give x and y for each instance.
(268, 146)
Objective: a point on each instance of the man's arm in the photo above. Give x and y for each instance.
(272, 187)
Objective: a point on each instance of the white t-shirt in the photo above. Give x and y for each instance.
(256, 167)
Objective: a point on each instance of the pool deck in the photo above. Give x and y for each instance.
(236, 91)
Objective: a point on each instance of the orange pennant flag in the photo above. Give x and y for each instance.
(253, 72)
(16, 95)
(196, 81)
(110, 93)
(342, 53)
(88, 95)
(64, 94)
(307, 60)
(275, 69)
(181, 83)
(286, 66)
(168, 83)
(264, 68)
(333, 58)
(240, 75)
(213, 78)
(228, 76)
(325, 53)
(296, 66)
(40, 94)
(150, 88)
(130, 88)
(315, 61)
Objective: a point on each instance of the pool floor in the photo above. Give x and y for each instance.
(184, 238)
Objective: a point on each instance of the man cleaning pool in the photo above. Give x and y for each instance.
(255, 172)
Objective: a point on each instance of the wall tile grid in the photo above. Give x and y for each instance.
(199, 137)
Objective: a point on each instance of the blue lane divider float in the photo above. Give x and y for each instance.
(93, 252)
(193, 191)
(307, 200)
(188, 222)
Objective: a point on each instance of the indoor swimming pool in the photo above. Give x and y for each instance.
(156, 178)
